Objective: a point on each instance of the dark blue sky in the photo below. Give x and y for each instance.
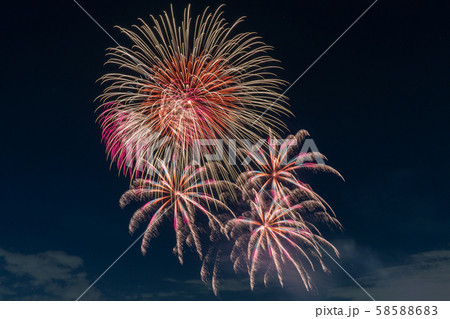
(376, 105)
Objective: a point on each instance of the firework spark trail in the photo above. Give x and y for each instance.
(185, 84)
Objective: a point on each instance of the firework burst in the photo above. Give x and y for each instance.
(274, 234)
(278, 167)
(178, 196)
(181, 84)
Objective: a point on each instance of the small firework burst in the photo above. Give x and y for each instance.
(179, 196)
(278, 167)
(273, 234)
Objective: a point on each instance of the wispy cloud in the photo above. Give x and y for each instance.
(50, 275)
(424, 276)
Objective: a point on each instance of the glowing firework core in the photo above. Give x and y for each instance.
(197, 100)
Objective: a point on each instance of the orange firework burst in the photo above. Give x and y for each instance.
(180, 84)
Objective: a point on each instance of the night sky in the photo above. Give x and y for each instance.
(375, 104)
